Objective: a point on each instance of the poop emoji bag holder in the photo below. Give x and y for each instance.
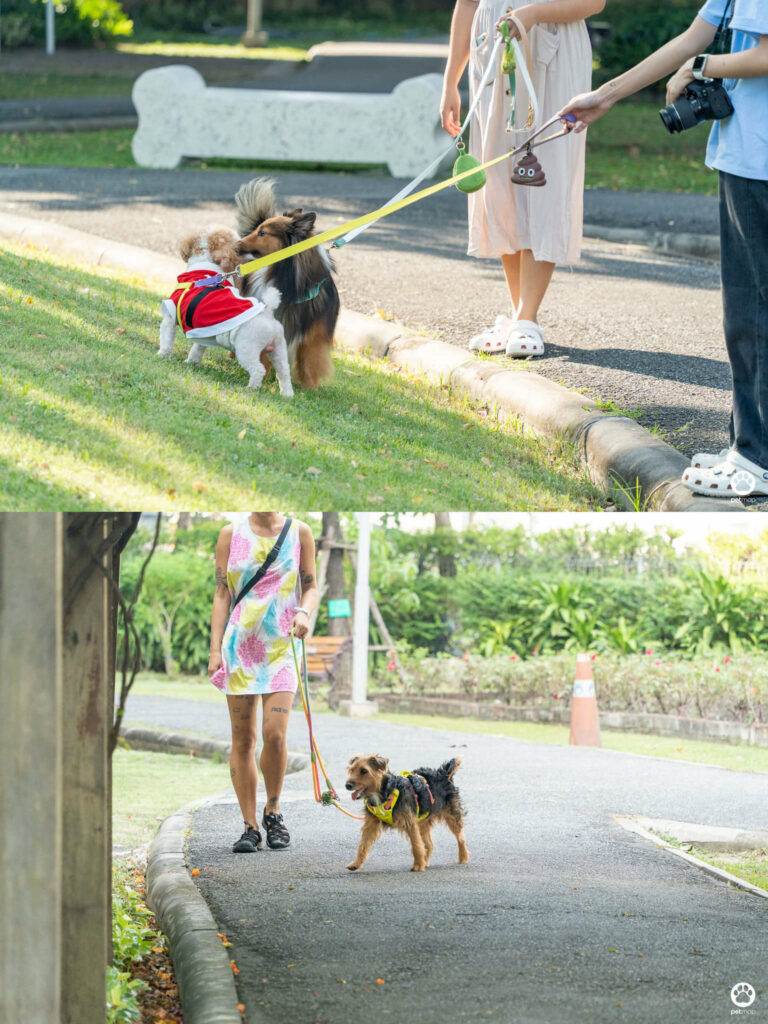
(528, 170)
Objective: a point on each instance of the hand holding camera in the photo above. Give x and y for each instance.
(693, 98)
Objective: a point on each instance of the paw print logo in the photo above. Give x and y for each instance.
(742, 994)
(742, 483)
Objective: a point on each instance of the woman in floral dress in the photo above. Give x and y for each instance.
(251, 655)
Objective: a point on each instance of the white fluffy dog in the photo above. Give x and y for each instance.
(211, 311)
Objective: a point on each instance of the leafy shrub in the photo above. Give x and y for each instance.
(78, 22)
(637, 28)
(727, 688)
(132, 940)
(122, 997)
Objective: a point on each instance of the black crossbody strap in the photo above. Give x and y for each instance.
(262, 570)
(721, 43)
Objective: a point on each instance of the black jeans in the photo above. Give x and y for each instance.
(744, 269)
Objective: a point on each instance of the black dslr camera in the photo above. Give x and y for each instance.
(703, 100)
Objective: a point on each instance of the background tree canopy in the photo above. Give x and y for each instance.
(618, 590)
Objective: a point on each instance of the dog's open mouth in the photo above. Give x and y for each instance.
(356, 794)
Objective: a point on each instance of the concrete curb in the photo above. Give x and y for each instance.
(145, 738)
(632, 824)
(713, 838)
(203, 974)
(670, 243)
(623, 459)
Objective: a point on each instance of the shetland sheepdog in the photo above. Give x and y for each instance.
(310, 302)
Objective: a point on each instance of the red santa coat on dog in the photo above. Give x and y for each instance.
(204, 312)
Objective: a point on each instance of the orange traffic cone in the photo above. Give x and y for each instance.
(585, 723)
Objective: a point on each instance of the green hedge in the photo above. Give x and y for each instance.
(636, 29)
(78, 22)
(725, 687)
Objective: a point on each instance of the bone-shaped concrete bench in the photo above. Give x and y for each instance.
(179, 116)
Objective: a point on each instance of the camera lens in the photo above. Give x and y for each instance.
(671, 119)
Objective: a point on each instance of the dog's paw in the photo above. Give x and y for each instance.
(464, 859)
(353, 866)
(164, 355)
(419, 867)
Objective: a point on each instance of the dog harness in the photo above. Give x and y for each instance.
(384, 811)
(206, 303)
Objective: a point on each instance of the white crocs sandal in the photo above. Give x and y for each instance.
(729, 479)
(706, 460)
(525, 339)
(493, 340)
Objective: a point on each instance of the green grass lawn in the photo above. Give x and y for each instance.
(90, 417)
(14, 86)
(631, 149)
(147, 787)
(752, 865)
(628, 149)
(158, 45)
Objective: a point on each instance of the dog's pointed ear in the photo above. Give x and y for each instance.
(302, 224)
(355, 757)
(379, 762)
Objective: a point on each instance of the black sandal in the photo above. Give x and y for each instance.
(249, 842)
(278, 837)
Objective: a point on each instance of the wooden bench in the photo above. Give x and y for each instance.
(323, 653)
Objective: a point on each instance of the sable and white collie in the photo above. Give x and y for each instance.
(310, 302)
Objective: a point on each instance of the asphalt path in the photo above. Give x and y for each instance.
(560, 917)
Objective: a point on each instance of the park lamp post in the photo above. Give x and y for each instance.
(254, 35)
(50, 28)
(360, 706)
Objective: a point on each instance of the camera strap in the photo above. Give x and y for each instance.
(722, 42)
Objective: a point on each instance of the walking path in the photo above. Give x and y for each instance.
(560, 917)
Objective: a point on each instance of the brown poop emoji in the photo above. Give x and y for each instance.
(528, 171)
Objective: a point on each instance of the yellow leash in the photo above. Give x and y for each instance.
(367, 218)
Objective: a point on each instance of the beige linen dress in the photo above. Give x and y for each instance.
(503, 217)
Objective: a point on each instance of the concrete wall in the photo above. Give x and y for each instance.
(55, 635)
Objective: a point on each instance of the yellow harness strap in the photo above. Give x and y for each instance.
(184, 289)
(384, 811)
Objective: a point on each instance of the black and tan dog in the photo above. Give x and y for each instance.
(412, 802)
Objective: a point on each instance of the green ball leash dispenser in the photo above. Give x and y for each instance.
(465, 162)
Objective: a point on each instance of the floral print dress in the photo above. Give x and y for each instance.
(256, 648)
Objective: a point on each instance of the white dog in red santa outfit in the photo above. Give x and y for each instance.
(211, 311)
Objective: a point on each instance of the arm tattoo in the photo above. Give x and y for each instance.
(307, 579)
(221, 578)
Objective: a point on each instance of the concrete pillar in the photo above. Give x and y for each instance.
(31, 782)
(86, 660)
(360, 706)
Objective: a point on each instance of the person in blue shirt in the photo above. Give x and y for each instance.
(738, 150)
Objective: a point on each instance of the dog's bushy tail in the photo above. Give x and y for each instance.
(255, 202)
(450, 768)
(271, 297)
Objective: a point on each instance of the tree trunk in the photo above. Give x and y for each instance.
(446, 563)
(336, 588)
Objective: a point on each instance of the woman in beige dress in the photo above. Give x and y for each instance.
(530, 229)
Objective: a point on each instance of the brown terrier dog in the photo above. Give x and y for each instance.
(412, 802)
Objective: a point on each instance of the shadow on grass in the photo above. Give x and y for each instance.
(105, 408)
